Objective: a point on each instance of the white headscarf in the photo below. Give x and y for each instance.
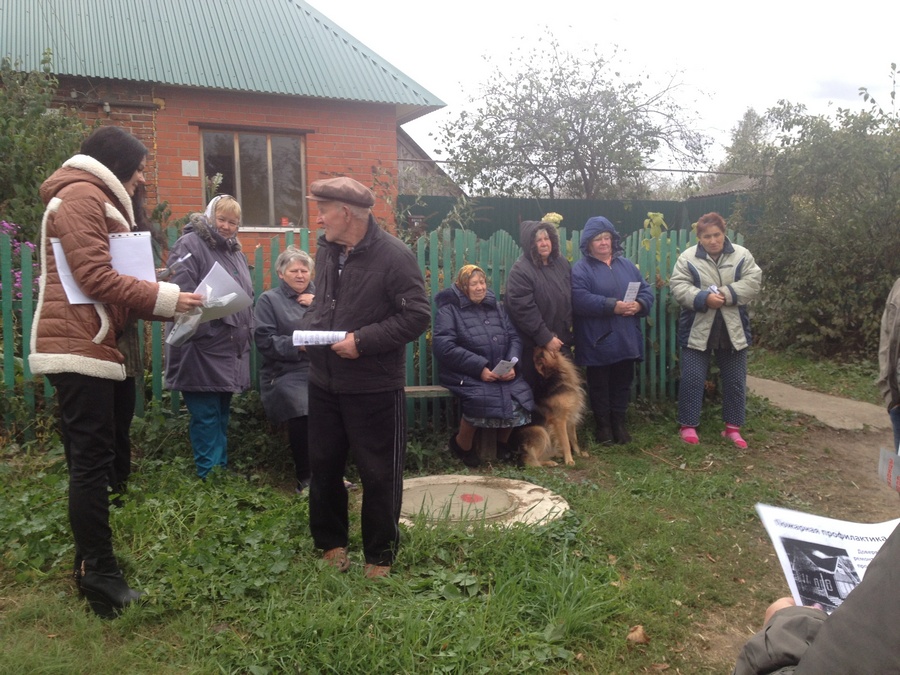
(210, 212)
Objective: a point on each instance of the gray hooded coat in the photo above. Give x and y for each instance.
(538, 296)
(217, 357)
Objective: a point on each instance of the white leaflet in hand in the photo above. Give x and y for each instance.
(504, 367)
(222, 294)
(631, 293)
(305, 338)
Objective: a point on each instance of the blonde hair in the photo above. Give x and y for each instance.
(228, 206)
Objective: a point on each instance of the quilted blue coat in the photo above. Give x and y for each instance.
(467, 338)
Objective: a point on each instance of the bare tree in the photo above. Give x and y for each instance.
(562, 124)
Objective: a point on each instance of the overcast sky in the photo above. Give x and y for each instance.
(731, 55)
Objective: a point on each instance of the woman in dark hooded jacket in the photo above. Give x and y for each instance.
(539, 294)
(608, 337)
(472, 334)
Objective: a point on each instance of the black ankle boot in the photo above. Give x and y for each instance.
(619, 432)
(468, 457)
(106, 591)
(603, 433)
(507, 452)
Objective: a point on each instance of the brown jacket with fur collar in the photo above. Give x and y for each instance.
(85, 204)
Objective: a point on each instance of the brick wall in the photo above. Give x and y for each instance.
(352, 139)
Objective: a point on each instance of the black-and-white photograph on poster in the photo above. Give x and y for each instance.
(824, 574)
(823, 559)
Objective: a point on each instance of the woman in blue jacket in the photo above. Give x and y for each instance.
(472, 334)
(608, 338)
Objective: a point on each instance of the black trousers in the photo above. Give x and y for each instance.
(124, 414)
(88, 425)
(298, 440)
(609, 388)
(373, 428)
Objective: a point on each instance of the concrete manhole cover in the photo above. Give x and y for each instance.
(498, 501)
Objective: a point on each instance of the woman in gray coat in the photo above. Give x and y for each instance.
(214, 363)
(284, 371)
(539, 295)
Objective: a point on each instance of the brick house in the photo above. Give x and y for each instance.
(269, 94)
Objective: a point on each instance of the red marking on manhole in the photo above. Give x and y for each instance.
(471, 498)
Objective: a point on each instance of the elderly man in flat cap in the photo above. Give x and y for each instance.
(368, 284)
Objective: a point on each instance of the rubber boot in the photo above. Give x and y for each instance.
(106, 590)
(619, 432)
(603, 432)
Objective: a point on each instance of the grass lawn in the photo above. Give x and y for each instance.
(854, 380)
(660, 534)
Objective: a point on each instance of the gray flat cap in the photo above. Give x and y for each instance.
(341, 189)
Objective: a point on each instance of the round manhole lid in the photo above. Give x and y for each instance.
(492, 500)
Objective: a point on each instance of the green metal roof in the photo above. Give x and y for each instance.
(262, 46)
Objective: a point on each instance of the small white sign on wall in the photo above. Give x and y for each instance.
(190, 168)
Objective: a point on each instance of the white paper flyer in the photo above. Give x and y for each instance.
(632, 291)
(822, 558)
(305, 338)
(503, 367)
(222, 294)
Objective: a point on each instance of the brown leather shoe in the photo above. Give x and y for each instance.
(376, 571)
(337, 558)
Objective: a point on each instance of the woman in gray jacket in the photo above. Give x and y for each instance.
(713, 282)
(214, 363)
(539, 295)
(284, 371)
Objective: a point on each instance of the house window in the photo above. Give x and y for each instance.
(264, 171)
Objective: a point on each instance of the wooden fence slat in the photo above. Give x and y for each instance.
(25, 255)
(6, 304)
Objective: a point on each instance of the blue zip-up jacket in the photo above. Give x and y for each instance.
(602, 337)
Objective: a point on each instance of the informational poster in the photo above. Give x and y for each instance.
(823, 559)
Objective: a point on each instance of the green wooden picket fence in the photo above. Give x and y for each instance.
(440, 254)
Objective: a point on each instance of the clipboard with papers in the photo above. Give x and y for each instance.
(131, 254)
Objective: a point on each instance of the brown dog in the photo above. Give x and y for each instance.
(561, 403)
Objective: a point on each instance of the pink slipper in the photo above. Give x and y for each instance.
(689, 435)
(733, 434)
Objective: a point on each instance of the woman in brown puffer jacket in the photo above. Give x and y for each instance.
(74, 345)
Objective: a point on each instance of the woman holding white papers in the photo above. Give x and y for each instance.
(284, 368)
(74, 345)
(472, 334)
(214, 363)
(608, 337)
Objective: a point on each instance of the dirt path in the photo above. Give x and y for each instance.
(832, 471)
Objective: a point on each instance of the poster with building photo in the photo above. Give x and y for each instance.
(823, 559)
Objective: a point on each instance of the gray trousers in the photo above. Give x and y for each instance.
(733, 371)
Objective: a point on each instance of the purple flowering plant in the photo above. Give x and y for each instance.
(18, 242)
